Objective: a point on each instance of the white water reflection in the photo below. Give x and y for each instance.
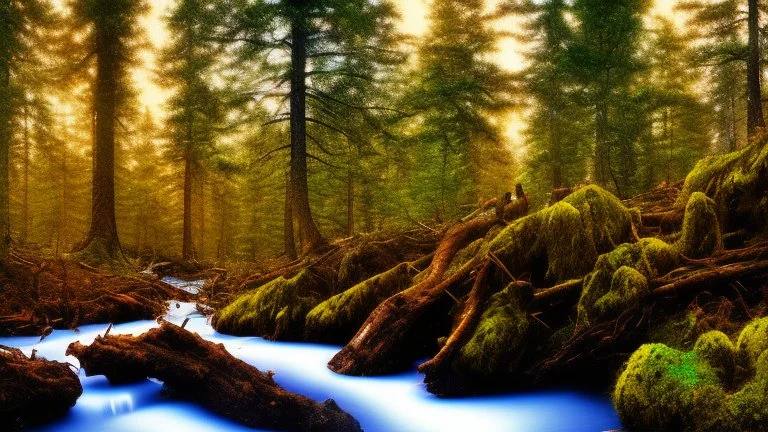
(395, 403)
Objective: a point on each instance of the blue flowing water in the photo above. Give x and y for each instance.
(395, 403)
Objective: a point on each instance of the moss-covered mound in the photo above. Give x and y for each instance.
(665, 389)
(737, 182)
(501, 336)
(752, 342)
(567, 237)
(363, 262)
(701, 235)
(337, 319)
(276, 310)
(715, 347)
(620, 278)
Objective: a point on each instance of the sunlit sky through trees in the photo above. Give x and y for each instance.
(414, 21)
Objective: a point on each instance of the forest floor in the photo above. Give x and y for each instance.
(505, 298)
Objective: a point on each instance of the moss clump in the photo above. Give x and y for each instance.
(500, 337)
(567, 236)
(363, 262)
(750, 403)
(337, 319)
(662, 388)
(719, 352)
(752, 342)
(701, 235)
(276, 310)
(628, 287)
(665, 389)
(737, 183)
(679, 330)
(620, 278)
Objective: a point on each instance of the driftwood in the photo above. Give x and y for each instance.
(194, 368)
(398, 331)
(32, 391)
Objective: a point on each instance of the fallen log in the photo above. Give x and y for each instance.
(196, 369)
(32, 391)
(393, 336)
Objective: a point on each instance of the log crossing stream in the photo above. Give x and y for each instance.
(396, 403)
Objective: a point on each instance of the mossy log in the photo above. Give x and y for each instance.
(34, 390)
(393, 335)
(202, 371)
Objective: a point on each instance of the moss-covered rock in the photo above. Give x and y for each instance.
(715, 347)
(620, 278)
(737, 182)
(337, 319)
(501, 336)
(464, 256)
(750, 403)
(363, 262)
(752, 342)
(628, 287)
(276, 310)
(567, 237)
(662, 388)
(701, 236)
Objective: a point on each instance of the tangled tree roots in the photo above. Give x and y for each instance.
(194, 368)
(34, 390)
(41, 294)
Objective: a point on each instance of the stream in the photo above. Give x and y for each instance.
(396, 403)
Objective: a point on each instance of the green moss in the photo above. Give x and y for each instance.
(677, 331)
(499, 340)
(464, 256)
(665, 389)
(567, 236)
(701, 235)
(337, 319)
(719, 352)
(734, 181)
(750, 403)
(363, 262)
(612, 287)
(628, 287)
(275, 310)
(752, 342)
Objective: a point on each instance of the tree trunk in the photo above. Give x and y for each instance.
(25, 179)
(755, 117)
(5, 132)
(187, 248)
(557, 157)
(201, 252)
(309, 236)
(289, 241)
(350, 204)
(601, 145)
(102, 241)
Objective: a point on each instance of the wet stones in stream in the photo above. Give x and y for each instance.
(202, 371)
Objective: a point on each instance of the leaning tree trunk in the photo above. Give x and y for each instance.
(309, 236)
(5, 131)
(102, 241)
(755, 118)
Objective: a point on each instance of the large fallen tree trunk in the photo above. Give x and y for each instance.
(34, 390)
(196, 369)
(394, 334)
